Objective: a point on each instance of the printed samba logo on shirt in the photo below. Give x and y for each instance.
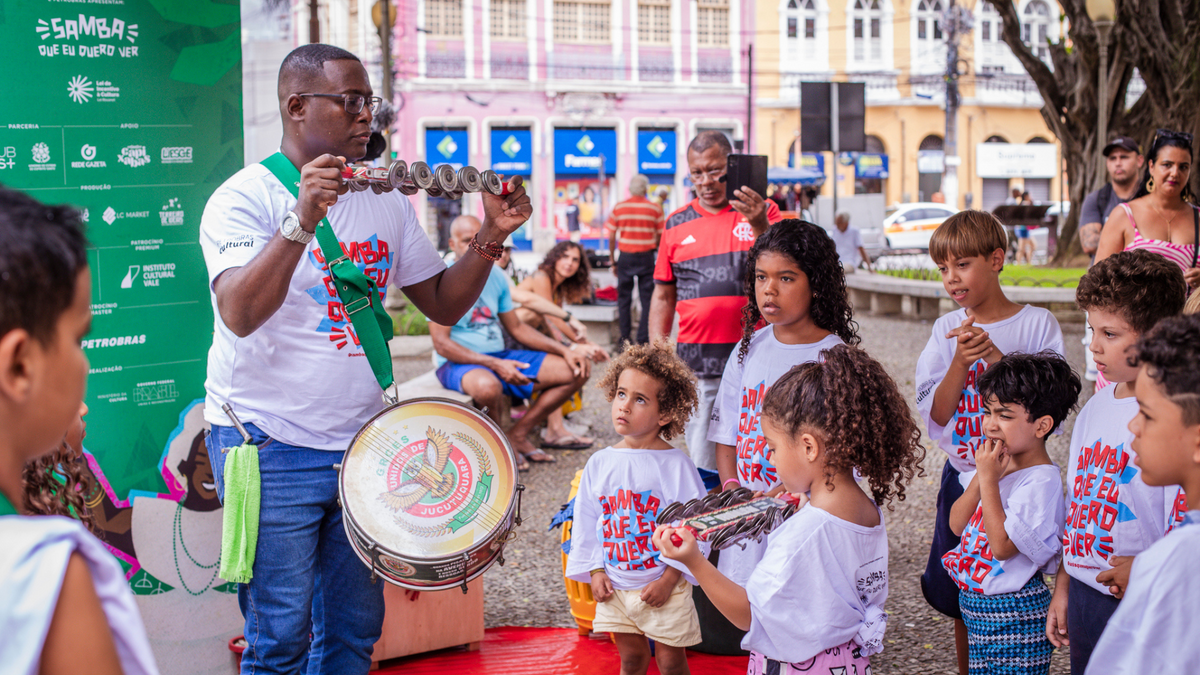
(752, 463)
(1095, 500)
(627, 520)
(968, 418)
(374, 259)
(1179, 509)
(972, 561)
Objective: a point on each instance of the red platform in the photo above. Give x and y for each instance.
(534, 651)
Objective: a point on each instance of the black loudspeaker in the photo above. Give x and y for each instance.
(816, 116)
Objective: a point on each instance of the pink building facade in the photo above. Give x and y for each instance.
(577, 96)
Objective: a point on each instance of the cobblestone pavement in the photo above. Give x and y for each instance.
(528, 590)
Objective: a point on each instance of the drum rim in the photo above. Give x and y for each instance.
(500, 530)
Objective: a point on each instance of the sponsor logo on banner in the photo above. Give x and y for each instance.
(178, 155)
(119, 341)
(71, 37)
(81, 90)
(112, 215)
(159, 391)
(8, 157)
(88, 153)
(150, 275)
(171, 213)
(41, 158)
(134, 156)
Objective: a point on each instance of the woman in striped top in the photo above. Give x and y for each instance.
(1162, 217)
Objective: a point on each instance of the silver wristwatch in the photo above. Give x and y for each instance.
(291, 230)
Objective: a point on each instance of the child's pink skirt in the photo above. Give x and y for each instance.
(834, 661)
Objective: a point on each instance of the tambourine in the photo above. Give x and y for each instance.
(443, 181)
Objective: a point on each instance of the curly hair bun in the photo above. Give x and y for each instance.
(849, 400)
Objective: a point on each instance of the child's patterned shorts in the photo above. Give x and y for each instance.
(841, 660)
(1006, 633)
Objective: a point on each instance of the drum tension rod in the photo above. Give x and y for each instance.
(520, 491)
(466, 558)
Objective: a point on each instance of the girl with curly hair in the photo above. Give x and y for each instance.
(814, 603)
(564, 277)
(59, 483)
(621, 490)
(795, 283)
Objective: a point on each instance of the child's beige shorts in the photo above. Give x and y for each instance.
(674, 624)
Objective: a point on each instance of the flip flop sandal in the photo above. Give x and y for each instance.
(571, 443)
(523, 465)
(539, 457)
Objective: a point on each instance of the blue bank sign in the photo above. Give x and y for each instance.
(656, 151)
(579, 151)
(512, 151)
(447, 146)
(871, 165)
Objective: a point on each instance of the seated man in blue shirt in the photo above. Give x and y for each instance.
(472, 358)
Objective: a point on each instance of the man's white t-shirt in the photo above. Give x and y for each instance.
(847, 244)
(1110, 511)
(1030, 331)
(1033, 519)
(302, 376)
(1154, 627)
(736, 421)
(822, 582)
(616, 510)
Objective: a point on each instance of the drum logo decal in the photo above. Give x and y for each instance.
(432, 479)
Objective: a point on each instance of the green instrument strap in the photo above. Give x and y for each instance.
(6, 507)
(357, 291)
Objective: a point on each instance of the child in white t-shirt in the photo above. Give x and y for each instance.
(1011, 515)
(814, 603)
(969, 250)
(1112, 515)
(795, 283)
(638, 593)
(1154, 630)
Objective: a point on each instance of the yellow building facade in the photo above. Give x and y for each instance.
(898, 49)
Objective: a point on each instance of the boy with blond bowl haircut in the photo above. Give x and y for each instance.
(969, 250)
(1153, 630)
(1112, 515)
(639, 594)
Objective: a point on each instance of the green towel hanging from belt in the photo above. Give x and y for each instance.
(239, 531)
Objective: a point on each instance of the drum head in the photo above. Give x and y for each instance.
(429, 479)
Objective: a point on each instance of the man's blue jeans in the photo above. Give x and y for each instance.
(307, 579)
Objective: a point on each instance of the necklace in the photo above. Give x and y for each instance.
(1165, 219)
(178, 543)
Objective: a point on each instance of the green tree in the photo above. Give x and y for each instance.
(1160, 38)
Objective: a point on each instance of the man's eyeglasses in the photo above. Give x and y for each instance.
(711, 176)
(1164, 134)
(354, 102)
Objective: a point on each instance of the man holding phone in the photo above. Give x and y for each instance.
(699, 273)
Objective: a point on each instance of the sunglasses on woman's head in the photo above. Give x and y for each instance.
(1167, 134)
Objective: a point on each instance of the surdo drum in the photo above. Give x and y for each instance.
(429, 494)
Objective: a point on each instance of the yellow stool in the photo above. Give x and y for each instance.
(583, 606)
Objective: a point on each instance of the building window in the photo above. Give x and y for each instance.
(444, 18)
(587, 21)
(929, 25)
(802, 42)
(508, 19)
(712, 23)
(654, 22)
(1035, 28)
(868, 33)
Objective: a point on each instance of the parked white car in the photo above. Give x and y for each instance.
(909, 226)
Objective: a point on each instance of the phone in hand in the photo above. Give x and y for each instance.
(746, 171)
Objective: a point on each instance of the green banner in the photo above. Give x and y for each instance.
(131, 110)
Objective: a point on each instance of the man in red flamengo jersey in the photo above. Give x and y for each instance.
(699, 274)
(634, 227)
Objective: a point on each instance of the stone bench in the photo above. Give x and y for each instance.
(881, 294)
(600, 321)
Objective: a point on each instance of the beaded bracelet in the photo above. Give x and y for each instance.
(490, 251)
